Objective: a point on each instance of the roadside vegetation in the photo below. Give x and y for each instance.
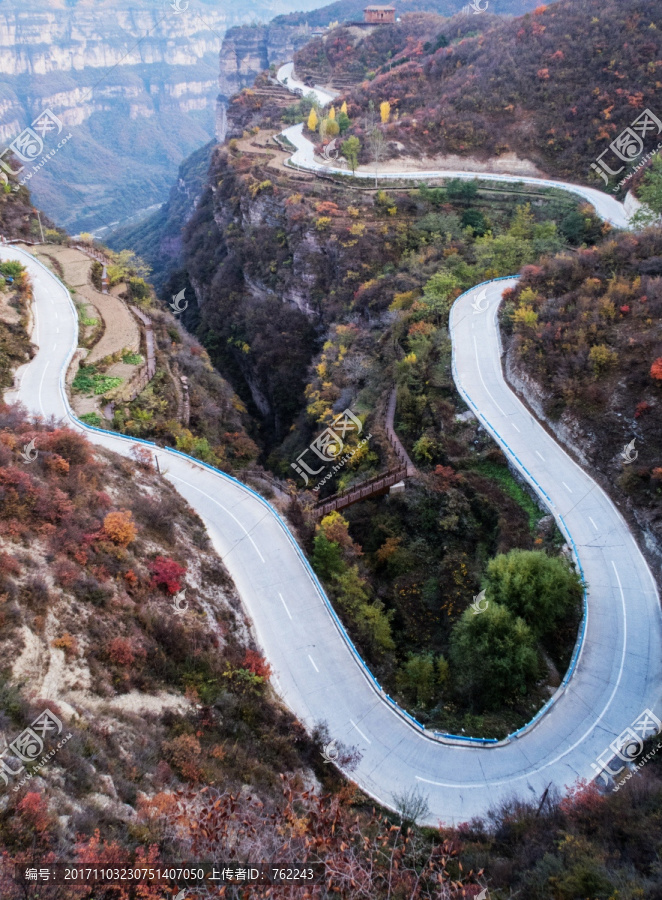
(15, 296)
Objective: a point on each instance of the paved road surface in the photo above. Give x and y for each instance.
(315, 671)
(608, 208)
(285, 76)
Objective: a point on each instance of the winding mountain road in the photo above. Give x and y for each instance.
(286, 77)
(316, 670)
(608, 208)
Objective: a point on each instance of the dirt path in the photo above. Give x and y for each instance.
(121, 329)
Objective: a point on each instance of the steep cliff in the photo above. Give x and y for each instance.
(158, 239)
(134, 84)
(248, 50)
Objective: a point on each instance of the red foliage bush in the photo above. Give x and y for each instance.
(656, 369)
(33, 809)
(8, 565)
(121, 651)
(68, 444)
(167, 574)
(583, 799)
(256, 664)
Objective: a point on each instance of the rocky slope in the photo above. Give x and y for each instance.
(586, 335)
(246, 52)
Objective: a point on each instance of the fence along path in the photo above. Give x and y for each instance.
(379, 483)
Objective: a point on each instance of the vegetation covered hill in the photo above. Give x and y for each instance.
(349, 55)
(587, 340)
(172, 747)
(352, 10)
(313, 297)
(555, 86)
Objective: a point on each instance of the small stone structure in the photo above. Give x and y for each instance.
(379, 15)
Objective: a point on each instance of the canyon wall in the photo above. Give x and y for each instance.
(135, 84)
(247, 51)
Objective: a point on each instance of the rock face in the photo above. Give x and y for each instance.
(133, 81)
(248, 50)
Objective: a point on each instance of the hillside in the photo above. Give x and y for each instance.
(306, 297)
(314, 296)
(171, 747)
(352, 10)
(585, 351)
(555, 87)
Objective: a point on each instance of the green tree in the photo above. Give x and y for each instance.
(492, 655)
(461, 189)
(439, 293)
(542, 589)
(350, 149)
(546, 239)
(328, 128)
(602, 358)
(650, 194)
(375, 622)
(327, 557)
(418, 679)
(476, 220)
(502, 255)
(343, 121)
(523, 223)
(370, 619)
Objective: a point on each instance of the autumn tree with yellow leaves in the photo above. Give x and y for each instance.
(312, 120)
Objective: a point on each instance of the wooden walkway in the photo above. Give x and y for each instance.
(379, 484)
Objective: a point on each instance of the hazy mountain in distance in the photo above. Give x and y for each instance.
(133, 82)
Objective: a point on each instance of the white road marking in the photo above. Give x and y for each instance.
(566, 486)
(540, 455)
(482, 380)
(284, 604)
(515, 427)
(593, 523)
(313, 662)
(586, 733)
(590, 729)
(205, 494)
(41, 384)
(360, 732)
